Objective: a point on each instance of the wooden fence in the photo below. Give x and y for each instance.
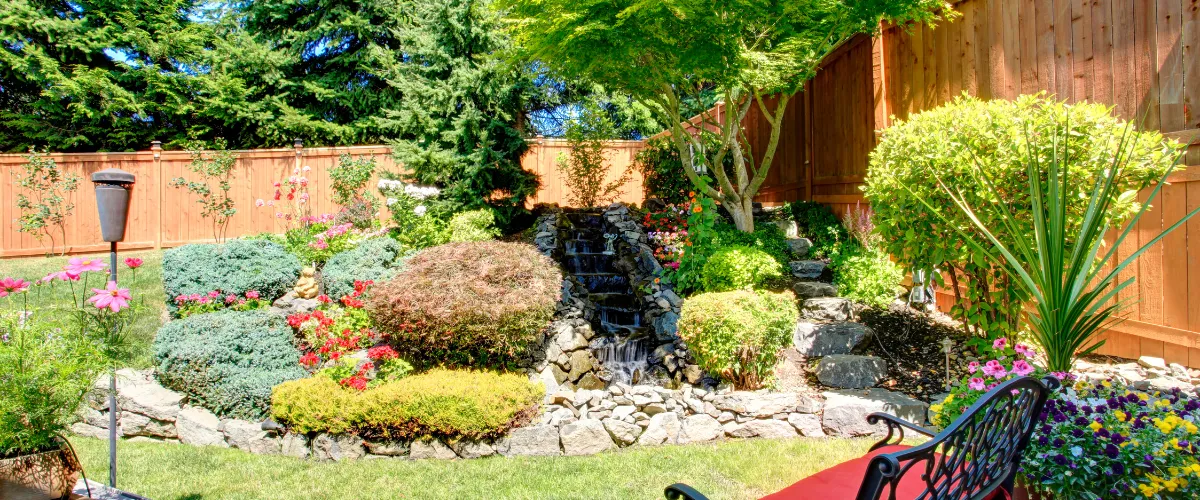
(163, 216)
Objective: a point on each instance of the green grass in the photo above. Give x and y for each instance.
(55, 301)
(730, 469)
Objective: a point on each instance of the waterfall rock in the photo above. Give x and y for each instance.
(433, 448)
(662, 429)
(666, 326)
(585, 437)
(848, 371)
(338, 447)
(846, 410)
(814, 289)
(197, 426)
(582, 361)
(808, 269)
(799, 246)
(814, 340)
(624, 433)
(827, 309)
(699, 428)
(537, 440)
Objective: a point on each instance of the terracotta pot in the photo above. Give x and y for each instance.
(39, 476)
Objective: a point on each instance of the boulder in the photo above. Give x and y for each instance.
(467, 448)
(338, 447)
(149, 399)
(294, 445)
(199, 427)
(814, 289)
(238, 433)
(623, 433)
(1163, 383)
(388, 448)
(291, 304)
(264, 443)
(846, 410)
(698, 429)
(768, 428)
(754, 404)
(1152, 362)
(807, 424)
(585, 437)
(666, 326)
(662, 429)
(815, 340)
(582, 361)
(133, 424)
(849, 371)
(788, 228)
(88, 430)
(799, 246)
(434, 448)
(827, 309)
(807, 269)
(536, 440)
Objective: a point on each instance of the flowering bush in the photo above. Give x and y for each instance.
(290, 200)
(1106, 441)
(415, 226)
(319, 239)
(236, 267)
(668, 230)
(1004, 361)
(699, 243)
(335, 328)
(187, 305)
(383, 364)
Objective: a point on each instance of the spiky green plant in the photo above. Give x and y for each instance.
(1074, 297)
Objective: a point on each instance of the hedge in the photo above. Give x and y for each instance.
(738, 335)
(375, 259)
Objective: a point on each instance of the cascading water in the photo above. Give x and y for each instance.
(626, 360)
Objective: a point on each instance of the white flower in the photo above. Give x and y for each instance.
(307, 168)
(391, 201)
(1076, 451)
(419, 210)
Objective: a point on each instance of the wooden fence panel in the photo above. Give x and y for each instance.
(164, 216)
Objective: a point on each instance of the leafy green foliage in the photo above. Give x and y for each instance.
(664, 53)
(228, 361)
(375, 259)
(461, 134)
(1055, 258)
(583, 168)
(235, 267)
(699, 245)
(659, 164)
(50, 206)
(349, 178)
(738, 335)
(968, 140)
(767, 237)
(439, 403)
(468, 303)
(738, 268)
(472, 225)
(818, 223)
(866, 275)
(315, 243)
(215, 166)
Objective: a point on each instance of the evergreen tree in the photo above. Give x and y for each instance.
(460, 128)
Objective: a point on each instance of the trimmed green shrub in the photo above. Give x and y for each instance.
(766, 237)
(866, 275)
(948, 143)
(375, 259)
(235, 267)
(467, 303)
(818, 223)
(228, 361)
(439, 403)
(472, 225)
(738, 268)
(738, 335)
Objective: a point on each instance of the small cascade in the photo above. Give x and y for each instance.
(625, 359)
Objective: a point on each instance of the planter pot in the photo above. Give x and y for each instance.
(39, 476)
(1020, 493)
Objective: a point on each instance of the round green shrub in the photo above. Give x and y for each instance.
(738, 268)
(766, 237)
(865, 275)
(484, 302)
(738, 335)
(375, 259)
(472, 225)
(228, 361)
(943, 145)
(234, 267)
(439, 403)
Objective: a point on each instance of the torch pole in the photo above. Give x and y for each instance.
(112, 386)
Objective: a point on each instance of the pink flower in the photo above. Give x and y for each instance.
(976, 384)
(319, 244)
(1000, 343)
(276, 184)
(992, 386)
(229, 299)
(214, 294)
(278, 215)
(252, 294)
(1021, 368)
(111, 297)
(79, 266)
(133, 262)
(994, 369)
(13, 285)
(1023, 350)
(973, 366)
(259, 202)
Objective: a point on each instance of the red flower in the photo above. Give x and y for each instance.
(352, 302)
(133, 263)
(310, 360)
(356, 382)
(366, 367)
(383, 352)
(324, 299)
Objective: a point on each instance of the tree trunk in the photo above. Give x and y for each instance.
(743, 214)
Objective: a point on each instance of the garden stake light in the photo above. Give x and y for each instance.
(112, 201)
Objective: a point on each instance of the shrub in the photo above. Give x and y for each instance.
(375, 260)
(818, 223)
(235, 267)
(47, 211)
(738, 335)
(996, 138)
(349, 177)
(315, 242)
(866, 275)
(584, 170)
(766, 237)
(227, 361)
(439, 403)
(738, 268)
(360, 213)
(660, 165)
(214, 168)
(474, 302)
(472, 225)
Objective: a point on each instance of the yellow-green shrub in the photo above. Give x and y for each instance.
(738, 268)
(738, 335)
(438, 403)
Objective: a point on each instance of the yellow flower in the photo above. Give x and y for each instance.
(1121, 416)
(1106, 383)
(935, 408)
(1096, 426)
(949, 398)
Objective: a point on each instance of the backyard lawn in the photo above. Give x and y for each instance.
(732, 469)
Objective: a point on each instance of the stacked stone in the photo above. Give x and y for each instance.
(636, 259)
(1147, 373)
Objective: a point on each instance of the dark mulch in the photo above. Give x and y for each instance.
(911, 343)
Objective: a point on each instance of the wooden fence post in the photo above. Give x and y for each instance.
(156, 151)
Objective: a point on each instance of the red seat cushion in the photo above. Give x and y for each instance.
(843, 480)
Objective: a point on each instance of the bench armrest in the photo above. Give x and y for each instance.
(680, 491)
(895, 428)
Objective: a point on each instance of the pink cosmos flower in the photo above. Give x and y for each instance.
(1021, 368)
(252, 294)
(1000, 343)
(976, 384)
(1023, 350)
(111, 297)
(259, 202)
(133, 262)
(79, 266)
(973, 366)
(13, 286)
